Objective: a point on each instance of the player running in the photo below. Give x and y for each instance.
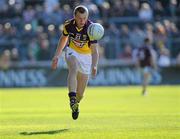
(146, 61)
(81, 55)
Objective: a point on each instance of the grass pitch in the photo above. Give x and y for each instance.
(105, 113)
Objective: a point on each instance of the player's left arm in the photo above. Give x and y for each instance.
(95, 58)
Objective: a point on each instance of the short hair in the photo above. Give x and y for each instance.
(81, 9)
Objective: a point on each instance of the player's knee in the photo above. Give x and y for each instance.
(73, 70)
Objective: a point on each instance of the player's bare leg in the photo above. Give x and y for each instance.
(72, 85)
(82, 80)
(145, 83)
(72, 67)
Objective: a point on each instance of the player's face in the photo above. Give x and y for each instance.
(81, 19)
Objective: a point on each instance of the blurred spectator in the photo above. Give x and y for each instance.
(5, 60)
(33, 49)
(158, 10)
(170, 28)
(178, 59)
(101, 5)
(145, 12)
(55, 17)
(4, 6)
(172, 7)
(104, 10)
(23, 24)
(67, 12)
(93, 9)
(18, 6)
(14, 55)
(29, 14)
(111, 38)
(149, 32)
(127, 53)
(1, 35)
(164, 58)
(53, 36)
(43, 54)
(50, 5)
(160, 35)
(137, 37)
(131, 8)
(124, 33)
(117, 8)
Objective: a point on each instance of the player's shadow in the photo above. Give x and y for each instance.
(51, 132)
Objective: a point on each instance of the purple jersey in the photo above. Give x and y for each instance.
(144, 56)
(78, 38)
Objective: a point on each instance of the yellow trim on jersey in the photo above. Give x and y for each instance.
(79, 46)
(84, 50)
(78, 29)
(64, 27)
(65, 31)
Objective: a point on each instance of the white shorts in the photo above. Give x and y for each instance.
(84, 60)
(146, 69)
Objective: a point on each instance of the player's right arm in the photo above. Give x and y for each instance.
(61, 44)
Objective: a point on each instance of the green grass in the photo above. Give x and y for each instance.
(106, 113)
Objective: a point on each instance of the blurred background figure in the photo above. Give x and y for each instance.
(164, 58)
(14, 55)
(29, 30)
(145, 12)
(5, 60)
(132, 21)
(146, 61)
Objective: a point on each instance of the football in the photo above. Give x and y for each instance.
(95, 31)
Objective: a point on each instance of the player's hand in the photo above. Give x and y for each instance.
(54, 62)
(94, 72)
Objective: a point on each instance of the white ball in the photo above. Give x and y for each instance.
(95, 31)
